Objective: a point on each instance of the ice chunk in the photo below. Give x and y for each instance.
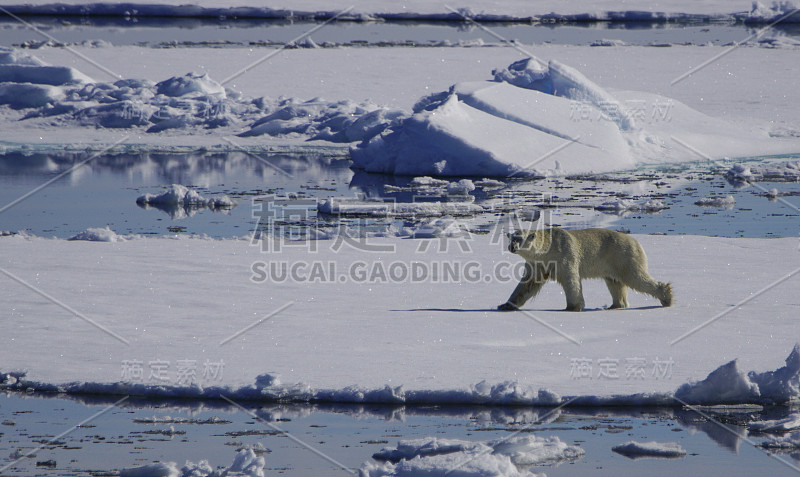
(438, 456)
(25, 95)
(633, 450)
(190, 84)
(726, 384)
(52, 75)
(98, 235)
(723, 202)
(789, 423)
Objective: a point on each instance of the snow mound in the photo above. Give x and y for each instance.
(535, 120)
(26, 82)
(635, 450)
(316, 119)
(786, 424)
(723, 202)
(438, 456)
(190, 84)
(729, 385)
(98, 235)
(246, 463)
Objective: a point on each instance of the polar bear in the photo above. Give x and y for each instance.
(568, 256)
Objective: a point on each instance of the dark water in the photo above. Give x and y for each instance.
(103, 192)
(172, 32)
(293, 437)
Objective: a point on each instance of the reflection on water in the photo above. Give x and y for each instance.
(103, 192)
(140, 431)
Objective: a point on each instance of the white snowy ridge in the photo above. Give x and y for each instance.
(725, 385)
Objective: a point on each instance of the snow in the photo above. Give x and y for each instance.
(633, 449)
(180, 202)
(439, 456)
(359, 332)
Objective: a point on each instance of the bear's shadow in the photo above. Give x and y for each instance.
(477, 310)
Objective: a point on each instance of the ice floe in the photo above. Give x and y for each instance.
(439, 456)
(634, 450)
(246, 463)
(180, 201)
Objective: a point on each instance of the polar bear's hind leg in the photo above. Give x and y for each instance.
(619, 293)
(642, 282)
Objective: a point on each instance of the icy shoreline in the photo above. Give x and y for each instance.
(725, 385)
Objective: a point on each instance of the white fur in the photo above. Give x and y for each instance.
(568, 256)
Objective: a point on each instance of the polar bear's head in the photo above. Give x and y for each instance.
(521, 239)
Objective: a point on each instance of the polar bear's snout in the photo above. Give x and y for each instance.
(516, 241)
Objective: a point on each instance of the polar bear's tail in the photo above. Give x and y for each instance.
(665, 293)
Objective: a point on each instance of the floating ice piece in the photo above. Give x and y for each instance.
(426, 181)
(724, 202)
(634, 450)
(246, 463)
(98, 235)
(786, 424)
(389, 209)
(621, 206)
(178, 194)
(438, 456)
(179, 202)
(462, 187)
(487, 183)
(792, 441)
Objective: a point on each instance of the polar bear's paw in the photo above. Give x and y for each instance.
(507, 306)
(665, 294)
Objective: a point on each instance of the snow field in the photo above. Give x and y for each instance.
(395, 322)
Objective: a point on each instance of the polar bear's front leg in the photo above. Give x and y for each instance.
(571, 282)
(527, 288)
